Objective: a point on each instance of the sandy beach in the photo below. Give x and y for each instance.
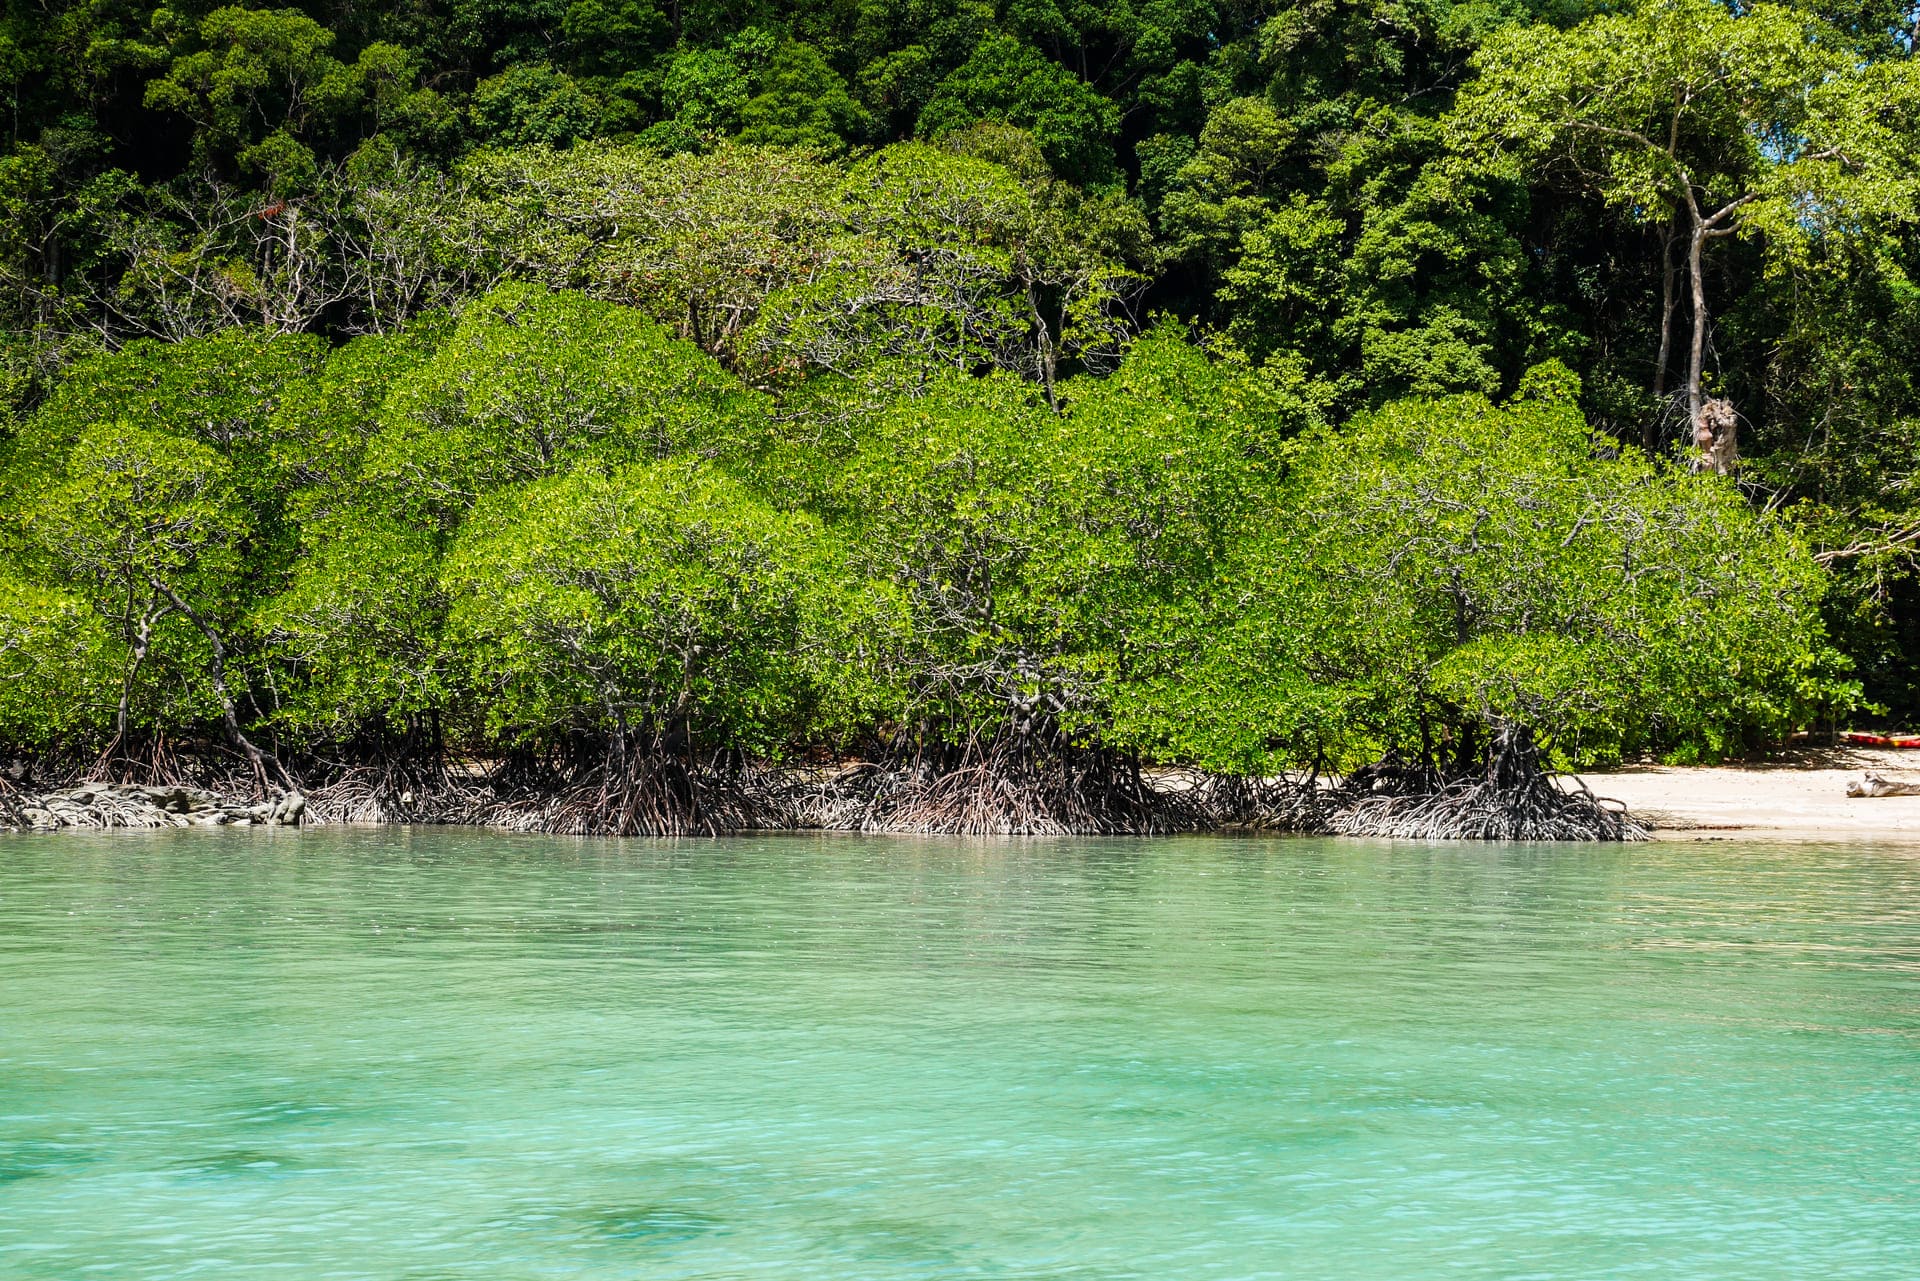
(1804, 796)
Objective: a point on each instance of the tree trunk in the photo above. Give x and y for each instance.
(229, 714)
(123, 711)
(1697, 355)
(1043, 344)
(1650, 435)
(1713, 421)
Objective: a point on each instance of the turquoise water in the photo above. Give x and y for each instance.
(444, 1056)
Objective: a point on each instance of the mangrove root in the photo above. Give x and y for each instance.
(1516, 799)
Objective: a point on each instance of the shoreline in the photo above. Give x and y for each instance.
(1798, 797)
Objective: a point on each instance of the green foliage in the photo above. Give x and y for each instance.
(220, 392)
(781, 264)
(530, 383)
(947, 502)
(53, 664)
(262, 88)
(1170, 465)
(891, 262)
(1444, 566)
(612, 37)
(136, 509)
(358, 632)
(1684, 101)
(531, 104)
(1050, 564)
(705, 91)
(645, 603)
(241, 71)
(551, 521)
(321, 424)
(1009, 82)
(148, 530)
(802, 102)
(1765, 125)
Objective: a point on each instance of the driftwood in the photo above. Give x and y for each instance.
(1872, 784)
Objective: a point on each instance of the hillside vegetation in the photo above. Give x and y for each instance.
(1015, 399)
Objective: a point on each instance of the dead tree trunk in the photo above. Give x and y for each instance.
(1042, 340)
(1713, 421)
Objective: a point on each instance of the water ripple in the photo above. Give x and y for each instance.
(441, 1056)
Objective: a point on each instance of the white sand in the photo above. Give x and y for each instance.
(1805, 797)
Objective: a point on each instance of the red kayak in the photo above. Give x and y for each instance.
(1858, 739)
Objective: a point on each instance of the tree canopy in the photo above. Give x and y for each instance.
(1175, 382)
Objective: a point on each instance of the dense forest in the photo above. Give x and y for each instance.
(1010, 396)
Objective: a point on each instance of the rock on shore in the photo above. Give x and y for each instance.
(131, 805)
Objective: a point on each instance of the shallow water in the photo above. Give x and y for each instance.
(435, 1056)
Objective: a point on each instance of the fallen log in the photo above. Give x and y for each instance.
(1872, 784)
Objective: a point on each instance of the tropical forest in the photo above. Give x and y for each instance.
(670, 416)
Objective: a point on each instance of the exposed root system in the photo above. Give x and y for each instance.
(1278, 804)
(1007, 789)
(1483, 811)
(1515, 800)
(992, 789)
(651, 796)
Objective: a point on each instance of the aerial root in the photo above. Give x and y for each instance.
(648, 795)
(984, 789)
(1515, 799)
(1486, 811)
(1003, 790)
